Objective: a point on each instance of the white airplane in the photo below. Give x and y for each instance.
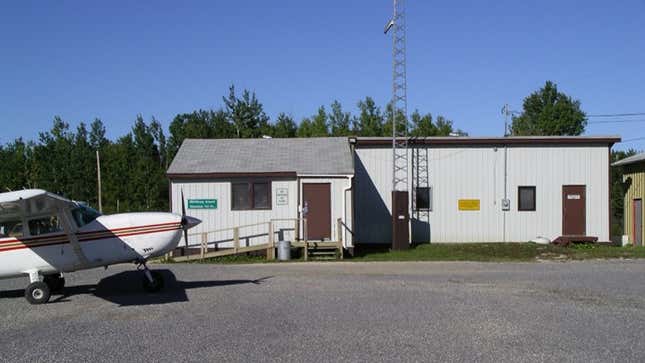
(43, 235)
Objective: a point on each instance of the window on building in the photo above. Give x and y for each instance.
(44, 225)
(424, 198)
(261, 196)
(526, 198)
(251, 195)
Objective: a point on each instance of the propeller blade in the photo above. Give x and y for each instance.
(183, 221)
(183, 204)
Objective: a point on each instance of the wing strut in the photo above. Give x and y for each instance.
(71, 234)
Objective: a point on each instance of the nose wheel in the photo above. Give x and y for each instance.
(152, 280)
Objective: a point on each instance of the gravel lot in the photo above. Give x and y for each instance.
(424, 311)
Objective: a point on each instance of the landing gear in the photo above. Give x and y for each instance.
(152, 280)
(56, 283)
(37, 293)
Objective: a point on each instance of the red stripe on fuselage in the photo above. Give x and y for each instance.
(44, 243)
(79, 234)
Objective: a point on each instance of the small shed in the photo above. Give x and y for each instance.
(248, 182)
(634, 178)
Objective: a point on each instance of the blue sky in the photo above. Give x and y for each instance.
(117, 59)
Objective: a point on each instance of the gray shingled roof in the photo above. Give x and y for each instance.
(319, 156)
(630, 160)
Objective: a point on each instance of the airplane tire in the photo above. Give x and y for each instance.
(56, 283)
(37, 293)
(154, 286)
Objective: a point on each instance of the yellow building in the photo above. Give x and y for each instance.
(634, 178)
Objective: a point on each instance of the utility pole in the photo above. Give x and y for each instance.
(506, 113)
(399, 102)
(98, 178)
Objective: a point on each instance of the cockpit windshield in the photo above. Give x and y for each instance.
(84, 215)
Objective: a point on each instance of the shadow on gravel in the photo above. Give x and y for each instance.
(126, 289)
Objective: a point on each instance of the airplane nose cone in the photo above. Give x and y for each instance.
(190, 222)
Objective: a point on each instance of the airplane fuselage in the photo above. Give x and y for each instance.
(107, 240)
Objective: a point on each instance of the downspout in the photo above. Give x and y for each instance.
(350, 178)
(345, 190)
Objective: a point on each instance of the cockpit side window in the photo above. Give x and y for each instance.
(84, 215)
(44, 225)
(12, 228)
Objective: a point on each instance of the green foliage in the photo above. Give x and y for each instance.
(133, 166)
(339, 120)
(401, 121)
(319, 125)
(198, 125)
(284, 127)
(246, 114)
(424, 125)
(370, 120)
(16, 159)
(549, 112)
(305, 128)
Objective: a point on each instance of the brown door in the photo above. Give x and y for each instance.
(316, 200)
(400, 220)
(574, 221)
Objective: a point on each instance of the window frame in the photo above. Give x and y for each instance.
(41, 217)
(519, 196)
(19, 221)
(251, 193)
(416, 202)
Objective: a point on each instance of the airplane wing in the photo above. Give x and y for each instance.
(31, 201)
(37, 201)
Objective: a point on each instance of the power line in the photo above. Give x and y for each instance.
(619, 114)
(616, 121)
(634, 139)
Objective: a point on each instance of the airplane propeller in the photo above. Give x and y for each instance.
(184, 221)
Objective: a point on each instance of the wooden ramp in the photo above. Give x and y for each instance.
(318, 250)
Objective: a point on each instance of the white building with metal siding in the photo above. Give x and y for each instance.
(564, 183)
(487, 171)
(284, 169)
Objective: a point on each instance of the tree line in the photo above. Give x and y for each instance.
(63, 159)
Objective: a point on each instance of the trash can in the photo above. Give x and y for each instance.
(284, 250)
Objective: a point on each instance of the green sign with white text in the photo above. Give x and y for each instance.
(202, 203)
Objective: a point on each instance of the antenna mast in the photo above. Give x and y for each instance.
(399, 106)
(399, 98)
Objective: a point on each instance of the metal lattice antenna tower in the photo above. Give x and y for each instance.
(399, 98)
(420, 178)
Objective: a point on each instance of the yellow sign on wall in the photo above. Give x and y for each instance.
(468, 204)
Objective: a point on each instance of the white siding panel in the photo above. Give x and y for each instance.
(224, 217)
(478, 173)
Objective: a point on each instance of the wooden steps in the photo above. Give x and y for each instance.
(314, 250)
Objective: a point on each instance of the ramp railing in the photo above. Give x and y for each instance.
(256, 237)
